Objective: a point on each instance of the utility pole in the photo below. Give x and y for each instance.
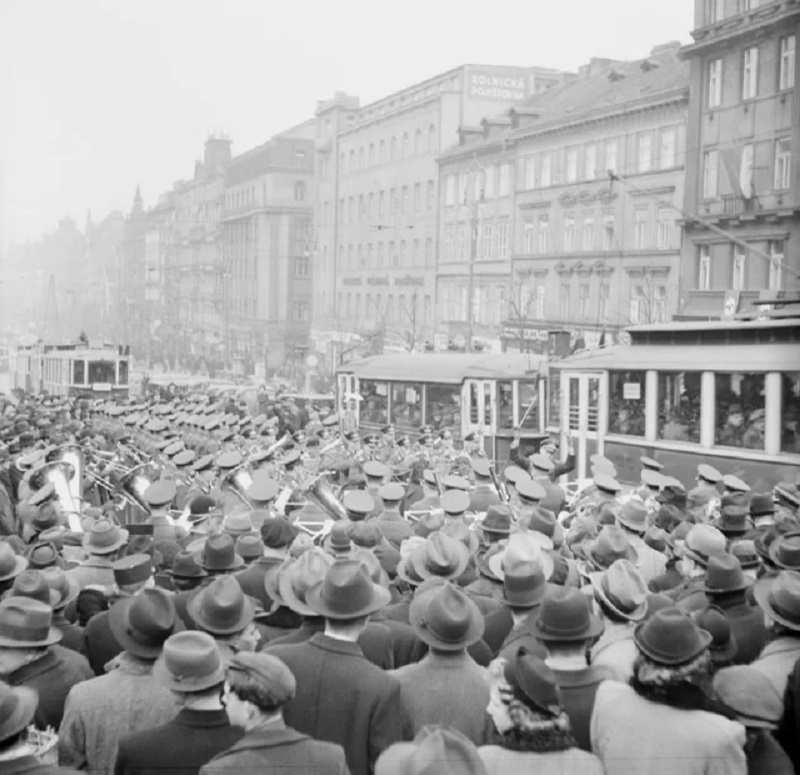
(475, 169)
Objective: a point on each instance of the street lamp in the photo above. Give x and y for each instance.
(476, 168)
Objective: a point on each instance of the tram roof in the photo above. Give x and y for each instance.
(687, 357)
(91, 353)
(445, 368)
(701, 326)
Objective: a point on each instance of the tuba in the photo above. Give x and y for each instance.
(64, 474)
(278, 445)
(334, 445)
(318, 491)
(238, 480)
(136, 481)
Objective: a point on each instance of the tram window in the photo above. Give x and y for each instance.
(473, 404)
(123, 373)
(529, 397)
(740, 416)
(790, 412)
(407, 404)
(375, 408)
(443, 406)
(679, 406)
(505, 405)
(101, 371)
(554, 409)
(487, 403)
(626, 402)
(77, 373)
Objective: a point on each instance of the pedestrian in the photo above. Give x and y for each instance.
(434, 750)
(102, 544)
(257, 689)
(129, 697)
(191, 667)
(447, 686)
(329, 665)
(663, 721)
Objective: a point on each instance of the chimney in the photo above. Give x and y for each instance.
(217, 154)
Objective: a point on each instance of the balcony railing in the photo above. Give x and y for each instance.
(733, 204)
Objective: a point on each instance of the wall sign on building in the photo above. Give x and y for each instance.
(484, 85)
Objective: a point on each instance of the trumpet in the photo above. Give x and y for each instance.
(499, 486)
(331, 447)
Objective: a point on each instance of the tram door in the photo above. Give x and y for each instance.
(584, 394)
(479, 402)
(347, 385)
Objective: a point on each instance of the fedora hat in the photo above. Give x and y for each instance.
(762, 504)
(717, 624)
(541, 520)
(186, 566)
(406, 568)
(524, 584)
(622, 589)
(221, 608)
(249, 547)
(104, 537)
(702, 542)
(429, 523)
(299, 576)
(779, 597)
(218, 554)
(745, 550)
(238, 524)
(497, 520)
(533, 683)
(670, 637)
(17, 708)
(272, 579)
(347, 592)
(11, 564)
(521, 547)
(31, 583)
(142, 623)
(445, 617)
(43, 555)
(63, 588)
(459, 530)
(441, 555)
(564, 616)
(26, 623)
(733, 518)
(338, 542)
(482, 560)
(784, 551)
(610, 545)
(442, 750)
(633, 515)
(724, 574)
(190, 662)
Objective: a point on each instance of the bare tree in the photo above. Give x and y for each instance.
(647, 305)
(413, 332)
(520, 300)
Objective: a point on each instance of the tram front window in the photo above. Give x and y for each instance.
(528, 394)
(407, 405)
(102, 372)
(790, 412)
(375, 408)
(740, 415)
(505, 405)
(626, 402)
(679, 406)
(443, 406)
(123, 373)
(78, 377)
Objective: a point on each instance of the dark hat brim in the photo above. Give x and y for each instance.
(416, 616)
(593, 628)
(118, 623)
(671, 661)
(73, 590)
(20, 564)
(195, 611)
(185, 684)
(381, 597)
(761, 594)
(93, 549)
(772, 552)
(22, 715)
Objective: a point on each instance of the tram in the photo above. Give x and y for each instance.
(725, 392)
(74, 369)
(489, 394)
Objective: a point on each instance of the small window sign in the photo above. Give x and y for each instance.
(632, 391)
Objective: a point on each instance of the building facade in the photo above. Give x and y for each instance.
(377, 202)
(535, 227)
(742, 224)
(265, 282)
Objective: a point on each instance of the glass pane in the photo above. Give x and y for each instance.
(407, 404)
(123, 373)
(529, 393)
(554, 417)
(102, 371)
(740, 410)
(679, 406)
(375, 407)
(790, 412)
(443, 407)
(77, 372)
(626, 402)
(594, 404)
(487, 403)
(574, 408)
(473, 403)
(505, 405)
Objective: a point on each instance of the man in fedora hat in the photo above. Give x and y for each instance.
(327, 666)
(567, 627)
(129, 697)
(434, 749)
(632, 519)
(30, 656)
(132, 575)
(620, 595)
(102, 544)
(191, 667)
(447, 687)
(779, 598)
(257, 689)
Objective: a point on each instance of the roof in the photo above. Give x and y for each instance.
(584, 97)
(714, 325)
(92, 353)
(688, 357)
(445, 368)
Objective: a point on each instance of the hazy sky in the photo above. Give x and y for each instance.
(99, 95)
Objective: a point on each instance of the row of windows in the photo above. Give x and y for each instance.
(405, 312)
(424, 141)
(489, 182)
(751, 81)
(394, 200)
(725, 267)
(247, 196)
(389, 254)
(741, 168)
(717, 10)
(492, 241)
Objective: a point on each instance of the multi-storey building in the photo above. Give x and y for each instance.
(377, 201)
(742, 225)
(103, 321)
(265, 283)
(534, 225)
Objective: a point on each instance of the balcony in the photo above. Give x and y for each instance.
(733, 204)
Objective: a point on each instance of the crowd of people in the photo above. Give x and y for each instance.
(287, 596)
